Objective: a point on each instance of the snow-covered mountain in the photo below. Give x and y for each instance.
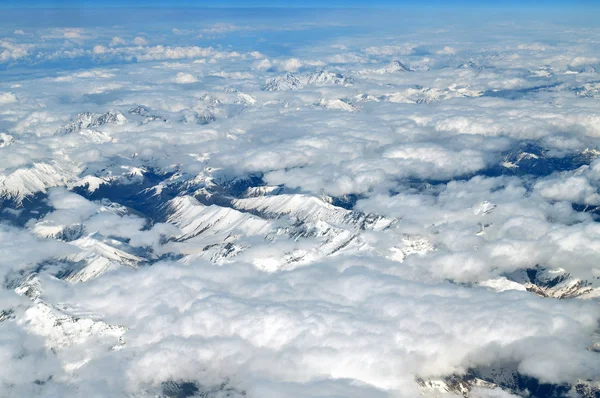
(536, 160)
(38, 177)
(225, 221)
(89, 120)
(322, 78)
(339, 104)
(287, 82)
(146, 114)
(422, 95)
(291, 82)
(398, 66)
(227, 204)
(589, 90)
(97, 256)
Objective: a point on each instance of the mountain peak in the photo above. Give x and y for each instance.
(86, 120)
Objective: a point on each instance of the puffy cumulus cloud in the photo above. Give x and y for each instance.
(72, 33)
(154, 237)
(116, 50)
(286, 65)
(583, 60)
(426, 160)
(28, 358)
(72, 211)
(447, 50)
(234, 75)
(467, 125)
(223, 28)
(139, 41)
(117, 41)
(308, 325)
(346, 58)
(10, 51)
(579, 186)
(185, 78)
(532, 47)
(354, 227)
(65, 33)
(99, 50)
(263, 64)
(7, 98)
(336, 183)
(290, 65)
(488, 227)
(576, 189)
(89, 74)
(256, 54)
(62, 200)
(403, 49)
(153, 53)
(14, 257)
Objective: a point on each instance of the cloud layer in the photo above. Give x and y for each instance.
(299, 205)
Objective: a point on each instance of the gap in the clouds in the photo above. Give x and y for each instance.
(515, 94)
(186, 389)
(531, 158)
(136, 195)
(583, 208)
(525, 159)
(18, 212)
(510, 379)
(143, 197)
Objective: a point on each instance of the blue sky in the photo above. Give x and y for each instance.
(299, 3)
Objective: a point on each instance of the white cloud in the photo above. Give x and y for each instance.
(139, 41)
(117, 41)
(263, 64)
(576, 189)
(65, 33)
(185, 78)
(447, 50)
(346, 58)
(14, 258)
(161, 52)
(358, 227)
(7, 98)
(290, 65)
(250, 330)
(72, 33)
(234, 75)
(532, 47)
(434, 160)
(10, 51)
(403, 49)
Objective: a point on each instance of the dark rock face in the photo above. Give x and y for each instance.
(400, 67)
(179, 390)
(171, 389)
